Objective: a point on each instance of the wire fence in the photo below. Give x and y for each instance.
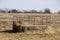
(33, 20)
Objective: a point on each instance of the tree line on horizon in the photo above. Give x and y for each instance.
(25, 11)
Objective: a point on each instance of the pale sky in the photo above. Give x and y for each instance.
(53, 5)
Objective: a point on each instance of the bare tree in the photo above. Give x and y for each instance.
(58, 12)
(14, 11)
(47, 11)
(33, 11)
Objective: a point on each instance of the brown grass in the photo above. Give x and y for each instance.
(50, 32)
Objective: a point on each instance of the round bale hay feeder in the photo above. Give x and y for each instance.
(17, 27)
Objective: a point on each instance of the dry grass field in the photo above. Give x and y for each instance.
(47, 26)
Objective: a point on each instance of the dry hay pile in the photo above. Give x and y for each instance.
(50, 30)
(54, 28)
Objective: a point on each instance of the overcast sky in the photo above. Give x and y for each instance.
(53, 5)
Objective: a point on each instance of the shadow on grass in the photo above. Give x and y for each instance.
(10, 31)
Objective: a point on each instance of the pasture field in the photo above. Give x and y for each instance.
(47, 26)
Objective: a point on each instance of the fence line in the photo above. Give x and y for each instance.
(34, 20)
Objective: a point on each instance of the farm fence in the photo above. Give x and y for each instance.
(40, 20)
